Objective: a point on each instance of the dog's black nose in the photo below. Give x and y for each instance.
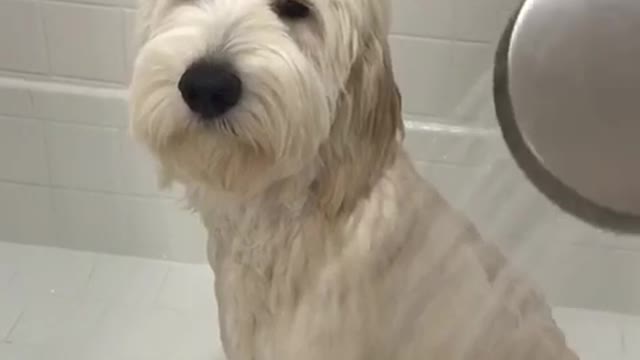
(210, 89)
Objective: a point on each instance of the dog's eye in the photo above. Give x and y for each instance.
(292, 9)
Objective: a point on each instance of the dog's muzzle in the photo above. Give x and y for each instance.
(210, 88)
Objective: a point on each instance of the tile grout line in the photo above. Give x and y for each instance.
(61, 79)
(45, 38)
(124, 195)
(163, 283)
(439, 39)
(5, 339)
(623, 342)
(94, 264)
(59, 122)
(90, 5)
(14, 326)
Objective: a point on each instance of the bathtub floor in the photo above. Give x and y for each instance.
(66, 305)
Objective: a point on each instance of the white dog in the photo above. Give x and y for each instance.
(282, 119)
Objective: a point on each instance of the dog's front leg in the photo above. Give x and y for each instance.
(242, 311)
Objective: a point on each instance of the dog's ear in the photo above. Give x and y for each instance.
(365, 133)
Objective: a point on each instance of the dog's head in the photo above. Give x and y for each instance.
(240, 94)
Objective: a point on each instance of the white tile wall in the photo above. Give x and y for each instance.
(481, 21)
(443, 49)
(422, 71)
(71, 177)
(22, 38)
(130, 38)
(87, 220)
(94, 52)
(15, 101)
(22, 151)
(80, 105)
(25, 214)
(83, 157)
(424, 19)
(138, 171)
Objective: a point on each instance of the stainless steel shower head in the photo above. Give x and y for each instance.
(567, 96)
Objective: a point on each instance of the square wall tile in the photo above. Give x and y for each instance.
(187, 235)
(25, 214)
(432, 18)
(22, 151)
(86, 41)
(477, 109)
(471, 78)
(472, 91)
(481, 20)
(15, 101)
(423, 72)
(139, 171)
(130, 39)
(89, 221)
(83, 157)
(146, 227)
(81, 105)
(22, 37)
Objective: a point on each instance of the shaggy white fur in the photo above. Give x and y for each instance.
(325, 242)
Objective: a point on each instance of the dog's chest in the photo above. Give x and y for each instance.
(264, 261)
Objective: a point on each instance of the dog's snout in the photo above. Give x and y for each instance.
(210, 89)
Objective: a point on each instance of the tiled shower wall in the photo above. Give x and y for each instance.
(69, 174)
(71, 177)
